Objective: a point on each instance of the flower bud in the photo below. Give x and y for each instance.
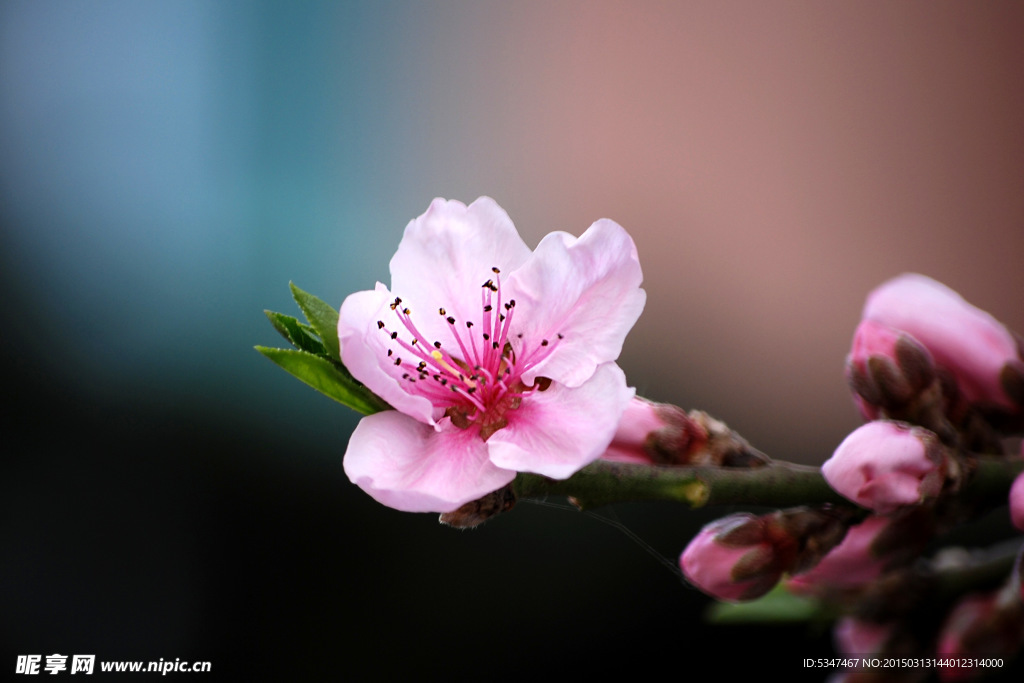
(644, 427)
(875, 547)
(850, 564)
(1017, 502)
(983, 357)
(662, 434)
(885, 465)
(887, 370)
(732, 559)
(742, 557)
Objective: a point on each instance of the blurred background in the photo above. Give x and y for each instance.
(167, 167)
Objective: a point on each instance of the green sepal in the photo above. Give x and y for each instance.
(323, 319)
(301, 335)
(330, 379)
(778, 606)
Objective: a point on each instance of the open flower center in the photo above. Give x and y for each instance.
(474, 373)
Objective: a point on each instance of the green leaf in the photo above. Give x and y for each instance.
(330, 379)
(778, 606)
(322, 317)
(301, 336)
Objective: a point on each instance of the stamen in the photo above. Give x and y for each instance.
(477, 383)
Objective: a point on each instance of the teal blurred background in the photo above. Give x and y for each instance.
(167, 167)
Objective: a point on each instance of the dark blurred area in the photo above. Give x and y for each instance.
(167, 167)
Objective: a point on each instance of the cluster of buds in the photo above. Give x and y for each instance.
(986, 625)
(937, 378)
(941, 384)
(924, 355)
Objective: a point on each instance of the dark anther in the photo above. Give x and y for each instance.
(398, 361)
(437, 345)
(390, 352)
(544, 342)
(394, 335)
(469, 323)
(495, 270)
(488, 308)
(451, 320)
(380, 324)
(486, 336)
(442, 311)
(561, 336)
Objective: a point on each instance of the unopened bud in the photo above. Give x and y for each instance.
(885, 465)
(967, 342)
(663, 434)
(1017, 502)
(888, 370)
(741, 557)
(852, 563)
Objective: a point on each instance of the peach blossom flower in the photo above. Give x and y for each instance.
(496, 359)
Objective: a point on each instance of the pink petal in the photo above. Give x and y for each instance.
(446, 255)
(557, 431)
(409, 466)
(364, 353)
(586, 289)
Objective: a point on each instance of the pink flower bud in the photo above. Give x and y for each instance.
(641, 422)
(732, 559)
(885, 465)
(852, 563)
(886, 368)
(661, 434)
(1017, 502)
(983, 356)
